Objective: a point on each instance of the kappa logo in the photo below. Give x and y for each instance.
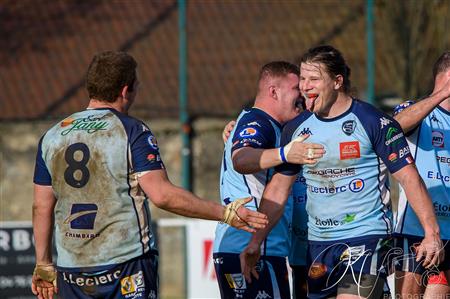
(437, 139)
(82, 216)
(306, 131)
(348, 127)
(434, 118)
(236, 281)
(349, 150)
(262, 295)
(384, 122)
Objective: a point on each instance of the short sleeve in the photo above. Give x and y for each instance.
(253, 133)
(144, 150)
(41, 174)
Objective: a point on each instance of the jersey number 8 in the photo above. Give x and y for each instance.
(77, 174)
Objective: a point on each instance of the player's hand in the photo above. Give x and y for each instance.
(240, 217)
(297, 152)
(227, 130)
(43, 281)
(249, 258)
(432, 250)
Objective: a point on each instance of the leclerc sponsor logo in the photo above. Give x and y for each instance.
(248, 132)
(355, 186)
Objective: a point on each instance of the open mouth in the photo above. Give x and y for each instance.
(310, 98)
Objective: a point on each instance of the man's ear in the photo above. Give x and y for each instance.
(124, 91)
(273, 91)
(338, 82)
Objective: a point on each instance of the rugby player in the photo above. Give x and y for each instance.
(349, 212)
(250, 153)
(94, 171)
(427, 128)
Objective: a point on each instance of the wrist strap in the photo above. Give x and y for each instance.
(282, 156)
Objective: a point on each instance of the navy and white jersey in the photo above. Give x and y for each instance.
(92, 159)
(299, 223)
(430, 145)
(348, 191)
(256, 129)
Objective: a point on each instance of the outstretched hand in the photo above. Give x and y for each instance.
(43, 281)
(249, 258)
(238, 216)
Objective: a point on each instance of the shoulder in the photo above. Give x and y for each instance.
(293, 124)
(370, 115)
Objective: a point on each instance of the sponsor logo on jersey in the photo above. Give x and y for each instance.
(349, 150)
(442, 159)
(355, 186)
(82, 216)
(153, 158)
(392, 136)
(82, 281)
(441, 210)
(348, 127)
(436, 175)
(392, 157)
(236, 281)
(248, 132)
(306, 131)
(133, 284)
(317, 270)
(333, 172)
(152, 142)
(384, 122)
(334, 222)
(404, 151)
(254, 123)
(89, 124)
(298, 231)
(353, 254)
(248, 141)
(437, 139)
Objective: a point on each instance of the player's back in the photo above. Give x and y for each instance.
(101, 215)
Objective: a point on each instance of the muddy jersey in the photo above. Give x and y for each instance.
(92, 160)
(348, 189)
(256, 129)
(430, 146)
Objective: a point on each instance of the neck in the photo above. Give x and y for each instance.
(117, 105)
(445, 104)
(267, 108)
(338, 107)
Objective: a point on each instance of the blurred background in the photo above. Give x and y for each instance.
(198, 63)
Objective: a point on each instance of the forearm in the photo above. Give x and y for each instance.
(184, 203)
(414, 114)
(43, 227)
(251, 160)
(421, 203)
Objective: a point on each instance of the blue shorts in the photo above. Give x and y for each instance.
(353, 266)
(273, 279)
(406, 260)
(137, 278)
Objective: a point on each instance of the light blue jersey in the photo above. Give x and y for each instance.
(348, 189)
(92, 160)
(256, 129)
(430, 146)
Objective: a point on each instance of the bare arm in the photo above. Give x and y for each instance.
(169, 197)
(414, 114)
(420, 201)
(272, 204)
(44, 274)
(248, 160)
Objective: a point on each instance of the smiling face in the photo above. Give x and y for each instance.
(318, 87)
(288, 94)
